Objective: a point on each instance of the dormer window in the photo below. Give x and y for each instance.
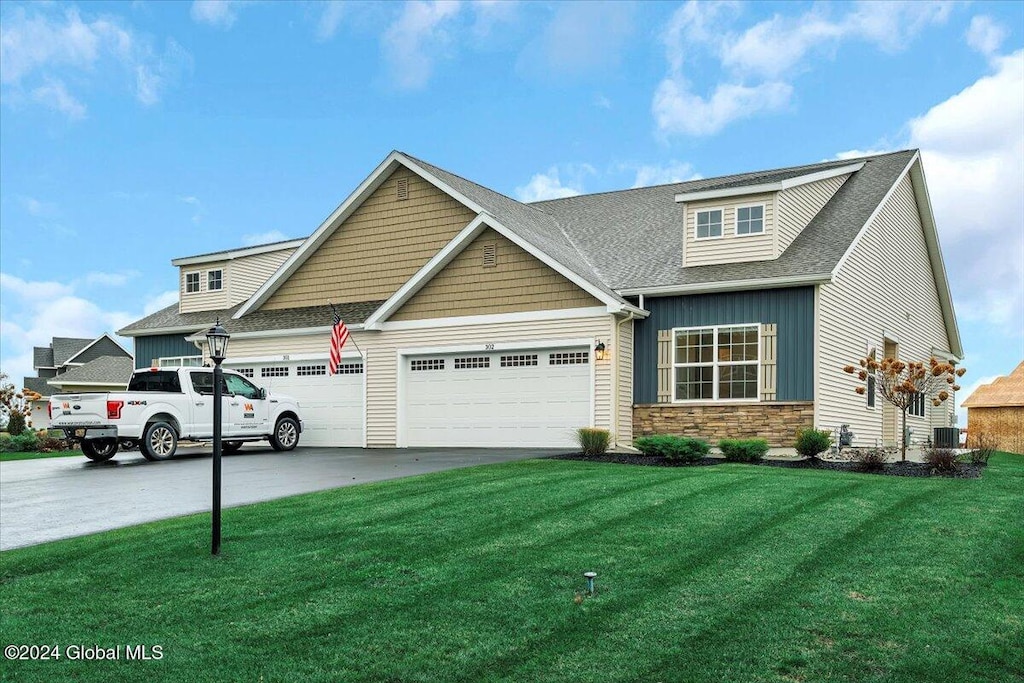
(750, 220)
(191, 282)
(215, 280)
(709, 224)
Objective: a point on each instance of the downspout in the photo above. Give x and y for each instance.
(615, 375)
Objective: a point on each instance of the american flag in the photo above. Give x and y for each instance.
(339, 335)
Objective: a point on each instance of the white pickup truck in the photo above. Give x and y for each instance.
(162, 406)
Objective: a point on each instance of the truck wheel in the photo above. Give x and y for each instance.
(99, 450)
(231, 446)
(159, 441)
(286, 434)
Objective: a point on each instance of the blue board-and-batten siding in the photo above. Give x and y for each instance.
(162, 346)
(792, 310)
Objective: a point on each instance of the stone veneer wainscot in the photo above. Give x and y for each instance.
(778, 422)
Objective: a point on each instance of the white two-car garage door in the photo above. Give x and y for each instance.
(522, 398)
(331, 406)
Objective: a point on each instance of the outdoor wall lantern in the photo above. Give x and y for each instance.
(217, 342)
(599, 351)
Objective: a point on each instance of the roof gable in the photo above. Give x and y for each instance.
(1007, 391)
(103, 345)
(64, 348)
(102, 371)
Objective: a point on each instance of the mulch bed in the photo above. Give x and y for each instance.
(893, 469)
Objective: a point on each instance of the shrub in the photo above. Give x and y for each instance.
(870, 459)
(743, 450)
(683, 448)
(811, 442)
(942, 460)
(985, 447)
(24, 443)
(50, 443)
(593, 441)
(15, 424)
(5, 443)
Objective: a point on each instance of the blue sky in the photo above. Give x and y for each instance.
(134, 133)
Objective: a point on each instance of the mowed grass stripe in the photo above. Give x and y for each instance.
(726, 573)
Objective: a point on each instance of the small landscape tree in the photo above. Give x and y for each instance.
(14, 407)
(900, 384)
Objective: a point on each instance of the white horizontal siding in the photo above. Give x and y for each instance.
(203, 300)
(885, 288)
(380, 356)
(798, 205)
(247, 274)
(623, 357)
(730, 248)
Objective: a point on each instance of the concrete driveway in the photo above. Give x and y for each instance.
(44, 500)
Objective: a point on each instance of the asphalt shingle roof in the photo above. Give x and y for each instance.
(257, 321)
(67, 347)
(634, 237)
(102, 370)
(42, 357)
(38, 385)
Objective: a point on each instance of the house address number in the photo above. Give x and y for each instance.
(488, 347)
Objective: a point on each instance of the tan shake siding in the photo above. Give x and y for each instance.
(730, 248)
(798, 205)
(623, 356)
(517, 282)
(382, 364)
(203, 300)
(250, 272)
(875, 294)
(380, 246)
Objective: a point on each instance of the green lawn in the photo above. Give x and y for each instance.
(725, 573)
(5, 457)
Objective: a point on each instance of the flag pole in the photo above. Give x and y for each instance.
(337, 319)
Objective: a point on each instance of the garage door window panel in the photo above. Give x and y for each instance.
(349, 369)
(427, 364)
(472, 363)
(518, 361)
(310, 370)
(274, 371)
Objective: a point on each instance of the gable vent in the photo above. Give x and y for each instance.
(403, 188)
(490, 256)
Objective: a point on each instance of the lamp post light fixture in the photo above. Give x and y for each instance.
(217, 343)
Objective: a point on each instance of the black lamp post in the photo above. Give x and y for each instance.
(217, 342)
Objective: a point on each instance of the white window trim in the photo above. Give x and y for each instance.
(209, 273)
(199, 282)
(181, 361)
(697, 212)
(924, 409)
(715, 364)
(764, 213)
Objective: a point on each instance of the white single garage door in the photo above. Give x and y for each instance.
(331, 407)
(522, 398)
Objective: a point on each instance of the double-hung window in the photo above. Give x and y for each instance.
(709, 224)
(716, 363)
(750, 220)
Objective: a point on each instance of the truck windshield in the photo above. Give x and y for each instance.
(160, 380)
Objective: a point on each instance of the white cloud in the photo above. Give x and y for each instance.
(197, 208)
(858, 153)
(263, 238)
(602, 102)
(673, 172)
(549, 185)
(677, 110)
(418, 37)
(43, 49)
(985, 35)
(758, 62)
(218, 13)
(54, 95)
(330, 19)
(581, 39)
(36, 311)
(38, 208)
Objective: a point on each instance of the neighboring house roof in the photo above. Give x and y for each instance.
(42, 357)
(110, 345)
(168, 320)
(1004, 392)
(105, 370)
(38, 385)
(65, 348)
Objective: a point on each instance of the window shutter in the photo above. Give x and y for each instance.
(769, 341)
(664, 366)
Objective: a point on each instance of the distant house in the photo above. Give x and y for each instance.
(73, 364)
(719, 307)
(995, 413)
